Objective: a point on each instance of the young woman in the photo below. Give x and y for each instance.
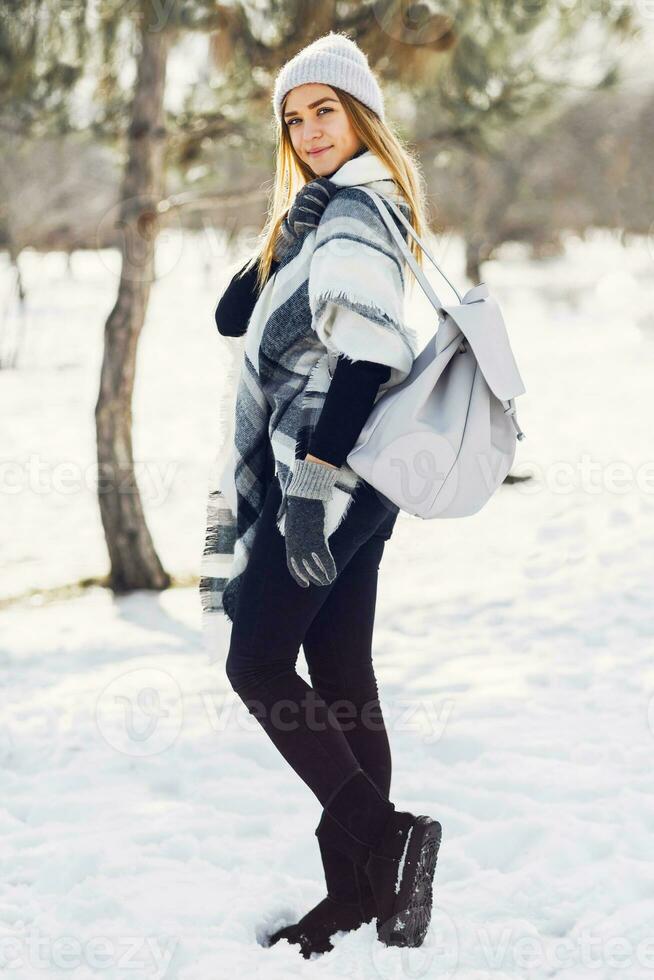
(322, 301)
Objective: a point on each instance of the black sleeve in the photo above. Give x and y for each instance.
(348, 403)
(237, 302)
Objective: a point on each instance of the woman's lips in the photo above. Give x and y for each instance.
(316, 153)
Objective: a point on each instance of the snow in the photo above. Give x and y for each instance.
(148, 828)
(400, 867)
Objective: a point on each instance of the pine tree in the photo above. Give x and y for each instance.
(460, 63)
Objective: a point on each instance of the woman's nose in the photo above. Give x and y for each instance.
(311, 134)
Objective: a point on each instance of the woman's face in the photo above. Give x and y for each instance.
(317, 120)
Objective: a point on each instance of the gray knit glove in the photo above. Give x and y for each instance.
(307, 208)
(307, 553)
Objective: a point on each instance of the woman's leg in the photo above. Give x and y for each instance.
(395, 849)
(338, 651)
(272, 617)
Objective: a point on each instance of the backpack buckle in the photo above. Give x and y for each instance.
(510, 411)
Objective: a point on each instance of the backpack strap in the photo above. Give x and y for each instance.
(478, 292)
(392, 227)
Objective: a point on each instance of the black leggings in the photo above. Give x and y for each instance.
(328, 731)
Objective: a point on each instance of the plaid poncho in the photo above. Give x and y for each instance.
(338, 290)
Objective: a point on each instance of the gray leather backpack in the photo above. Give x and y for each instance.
(440, 443)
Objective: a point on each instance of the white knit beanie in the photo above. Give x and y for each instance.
(333, 59)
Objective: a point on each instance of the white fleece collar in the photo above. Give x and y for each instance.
(364, 169)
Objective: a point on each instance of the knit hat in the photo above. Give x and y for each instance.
(333, 59)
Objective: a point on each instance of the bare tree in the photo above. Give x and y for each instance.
(134, 560)
(488, 89)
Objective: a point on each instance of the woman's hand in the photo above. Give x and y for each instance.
(324, 462)
(307, 208)
(308, 557)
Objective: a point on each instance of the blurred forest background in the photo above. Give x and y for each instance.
(546, 107)
(142, 810)
(119, 120)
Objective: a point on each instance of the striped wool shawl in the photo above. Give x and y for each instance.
(339, 289)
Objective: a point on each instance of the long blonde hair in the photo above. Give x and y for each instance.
(291, 173)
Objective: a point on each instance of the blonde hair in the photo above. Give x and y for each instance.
(291, 173)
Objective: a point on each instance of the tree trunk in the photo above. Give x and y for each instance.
(474, 223)
(473, 260)
(134, 561)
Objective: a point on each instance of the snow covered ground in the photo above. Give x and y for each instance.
(147, 826)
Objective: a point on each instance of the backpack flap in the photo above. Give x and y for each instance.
(447, 332)
(480, 320)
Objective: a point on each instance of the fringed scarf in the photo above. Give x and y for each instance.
(339, 289)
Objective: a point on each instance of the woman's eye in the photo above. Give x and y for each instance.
(326, 108)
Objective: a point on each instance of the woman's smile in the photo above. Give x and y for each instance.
(314, 114)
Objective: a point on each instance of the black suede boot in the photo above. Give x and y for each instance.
(312, 933)
(400, 870)
(348, 905)
(396, 849)
(346, 881)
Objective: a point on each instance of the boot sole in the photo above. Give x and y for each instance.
(409, 922)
